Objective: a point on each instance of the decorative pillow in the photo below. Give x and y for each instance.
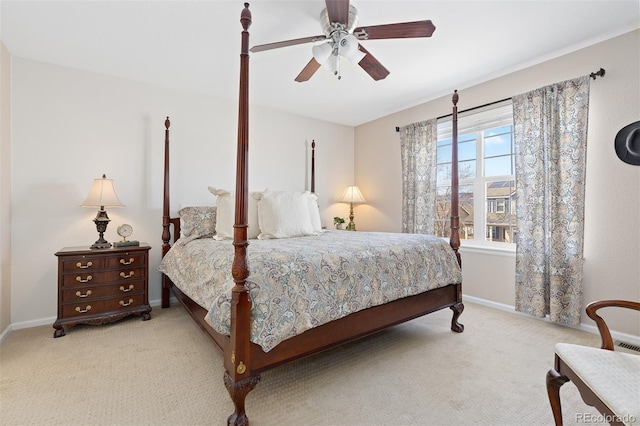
(226, 203)
(197, 221)
(314, 212)
(283, 214)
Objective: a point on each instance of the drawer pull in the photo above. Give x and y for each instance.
(123, 303)
(81, 266)
(124, 262)
(88, 293)
(80, 280)
(82, 311)
(126, 290)
(129, 275)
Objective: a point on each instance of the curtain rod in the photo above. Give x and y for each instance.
(599, 73)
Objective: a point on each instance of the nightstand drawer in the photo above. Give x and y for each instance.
(126, 261)
(83, 264)
(87, 308)
(103, 277)
(90, 293)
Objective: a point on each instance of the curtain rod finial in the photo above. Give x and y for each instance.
(599, 73)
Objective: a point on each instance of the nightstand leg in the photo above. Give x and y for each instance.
(59, 331)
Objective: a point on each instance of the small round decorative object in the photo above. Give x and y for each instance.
(125, 230)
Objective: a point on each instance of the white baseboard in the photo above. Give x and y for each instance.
(5, 332)
(50, 320)
(624, 337)
(33, 323)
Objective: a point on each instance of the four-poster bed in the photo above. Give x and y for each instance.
(244, 359)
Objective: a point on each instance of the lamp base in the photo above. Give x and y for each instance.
(101, 221)
(351, 226)
(104, 244)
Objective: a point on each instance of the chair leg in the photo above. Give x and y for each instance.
(554, 382)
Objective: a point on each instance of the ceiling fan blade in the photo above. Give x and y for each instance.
(293, 42)
(338, 11)
(372, 66)
(399, 30)
(308, 71)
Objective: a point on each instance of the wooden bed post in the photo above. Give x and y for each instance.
(166, 218)
(454, 239)
(313, 166)
(237, 377)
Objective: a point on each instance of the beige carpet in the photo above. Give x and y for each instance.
(167, 372)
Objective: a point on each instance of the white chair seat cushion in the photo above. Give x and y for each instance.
(613, 376)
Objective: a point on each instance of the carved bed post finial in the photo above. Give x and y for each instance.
(245, 17)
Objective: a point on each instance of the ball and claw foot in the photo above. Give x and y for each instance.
(238, 392)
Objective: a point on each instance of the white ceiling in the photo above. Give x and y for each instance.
(195, 45)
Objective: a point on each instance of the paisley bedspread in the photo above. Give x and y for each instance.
(299, 283)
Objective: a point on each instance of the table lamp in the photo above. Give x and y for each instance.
(352, 195)
(102, 195)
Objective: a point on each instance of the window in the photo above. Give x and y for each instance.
(487, 183)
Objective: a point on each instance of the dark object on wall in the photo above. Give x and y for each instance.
(628, 144)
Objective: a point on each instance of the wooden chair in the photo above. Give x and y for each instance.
(607, 380)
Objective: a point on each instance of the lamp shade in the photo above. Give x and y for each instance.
(357, 56)
(348, 46)
(321, 52)
(102, 194)
(352, 195)
(332, 64)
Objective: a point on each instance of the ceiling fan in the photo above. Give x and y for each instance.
(341, 40)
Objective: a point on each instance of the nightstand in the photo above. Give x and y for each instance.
(103, 285)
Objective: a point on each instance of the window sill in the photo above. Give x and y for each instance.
(508, 250)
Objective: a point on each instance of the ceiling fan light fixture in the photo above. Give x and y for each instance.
(357, 57)
(332, 64)
(348, 46)
(321, 52)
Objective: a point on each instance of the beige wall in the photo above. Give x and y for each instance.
(71, 126)
(612, 238)
(5, 188)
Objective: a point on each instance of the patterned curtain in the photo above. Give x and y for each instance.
(418, 144)
(550, 126)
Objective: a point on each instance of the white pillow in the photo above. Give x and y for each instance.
(226, 203)
(314, 212)
(284, 214)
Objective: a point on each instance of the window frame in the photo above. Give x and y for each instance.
(478, 122)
